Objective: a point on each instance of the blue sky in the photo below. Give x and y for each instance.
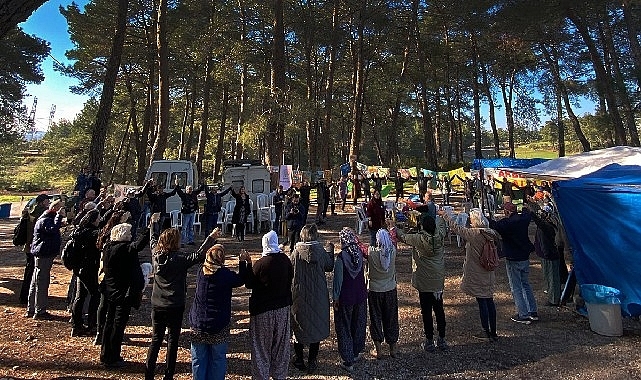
(47, 23)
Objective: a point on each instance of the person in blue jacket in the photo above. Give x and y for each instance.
(210, 315)
(44, 248)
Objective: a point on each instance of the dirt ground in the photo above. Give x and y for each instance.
(560, 346)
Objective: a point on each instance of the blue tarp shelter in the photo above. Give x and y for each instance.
(506, 162)
(601, 213)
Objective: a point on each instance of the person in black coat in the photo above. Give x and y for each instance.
(158, 200)
(87, 275)
(213, 206)
(241, 212)
(294, 214)
(169, 291)
(122, 287)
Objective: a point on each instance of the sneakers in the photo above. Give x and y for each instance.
(312, 366)
(534, 317)
(523, 320)
(428, 346)
(28, 314)
(441, 343)
(494, 337)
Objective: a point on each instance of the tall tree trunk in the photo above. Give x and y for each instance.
(149, 116)
(220, 147)
(158, 151)
(603, 80)
(329, 89)
(612, 61)
(120, 147)
(311, 124)
(551, 57)
(428, 129)
(183, 126)
(97, 147)
(13, 12)
(237, 148)
(476, 95)
(190, 136)
(275, 133)
(507, 88)
(490, 105)
(359, 87)
(630, 8)
(560, 125)
(204, 122)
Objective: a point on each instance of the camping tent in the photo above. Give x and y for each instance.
(600, 213)
(584, 163)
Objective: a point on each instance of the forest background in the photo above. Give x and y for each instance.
(311, 83)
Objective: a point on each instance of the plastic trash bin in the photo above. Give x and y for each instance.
(604, 309)
(5, 210)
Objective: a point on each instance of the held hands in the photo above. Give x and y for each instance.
(215, 233)
(244, 256)
(155, 217)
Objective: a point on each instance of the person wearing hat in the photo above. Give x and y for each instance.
(517, 248)
(213, 205)
(45, 247)
(41, 205)
(210, 314)
(169, 291)
(270, 280)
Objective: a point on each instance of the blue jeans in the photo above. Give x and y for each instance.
(517, 275)
(188, 228)
(208, 361)
(487, 312)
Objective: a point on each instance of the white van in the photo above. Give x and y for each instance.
(165, 173)
(249, 173)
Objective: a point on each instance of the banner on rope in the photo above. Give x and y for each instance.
(285, 177)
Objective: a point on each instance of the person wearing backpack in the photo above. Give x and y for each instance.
(428, 277)
(478, 281)
(87, 273)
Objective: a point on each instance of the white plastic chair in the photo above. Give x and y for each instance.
(176, 220)
(461, 220)
(197, 223)
(250, 217)
(263, 210)
(221, 220)
(229, 212)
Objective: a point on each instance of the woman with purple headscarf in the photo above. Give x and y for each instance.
(350, 299)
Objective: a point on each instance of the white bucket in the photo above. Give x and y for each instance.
(605, 319)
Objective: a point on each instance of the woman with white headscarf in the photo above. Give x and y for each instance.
(350, 299)
(270, 280)
(381, 294)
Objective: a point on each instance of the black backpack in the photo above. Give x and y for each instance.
(20, 232)
(73, 253)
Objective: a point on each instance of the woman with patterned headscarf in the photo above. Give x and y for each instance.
(381, 293)
(350, 299)
(210, 315)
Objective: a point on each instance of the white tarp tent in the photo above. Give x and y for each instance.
(584, 163)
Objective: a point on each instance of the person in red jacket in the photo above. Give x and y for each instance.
(376, 213)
